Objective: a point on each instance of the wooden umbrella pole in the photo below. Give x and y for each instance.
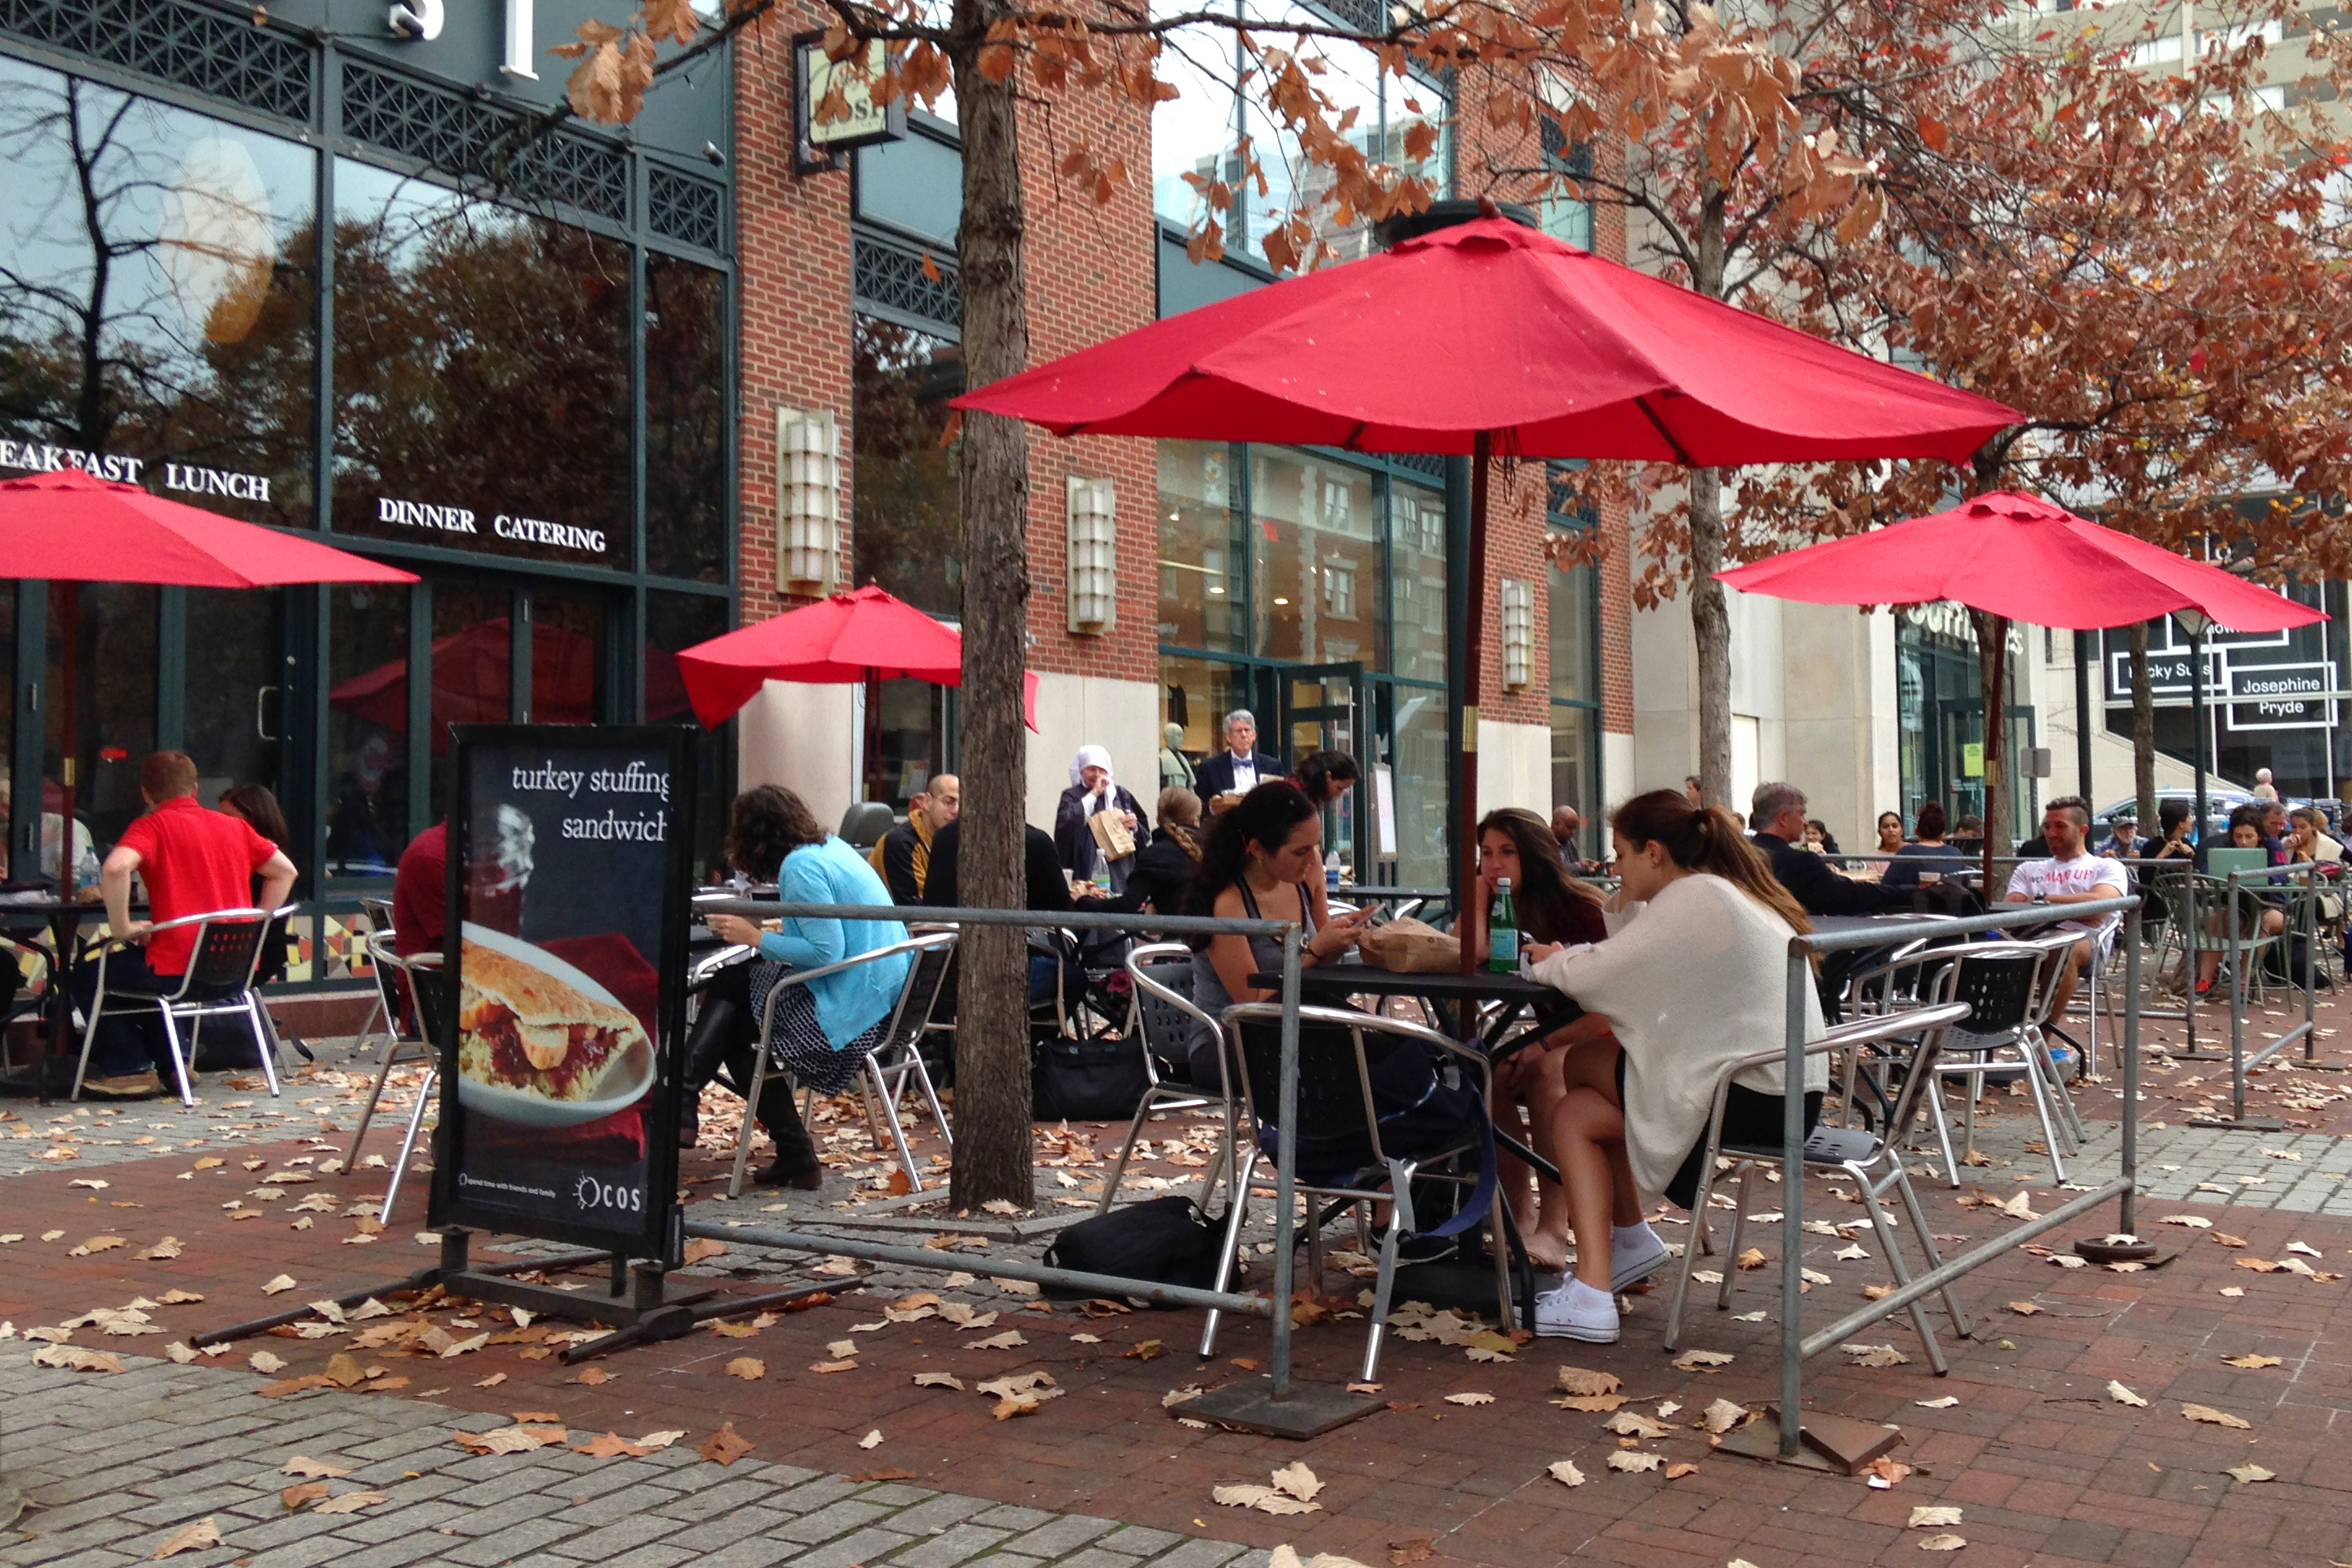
(1465, 805)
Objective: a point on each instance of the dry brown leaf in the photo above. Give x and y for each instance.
(303, 1465)
(1011, 1339)
(1469, 1399)
(1420, 1548)
(95, 1244)
(872, 1439)
(1583, 1380)
(2123, 1396)
(1885, 1472)
(174, 1297)
(1752, 1258)
(938, 1380)
(1006, 1410)
(1943, 1543)
(261, 1360)
(520, 1438)
(750, 1368)
(351, 1503)
(1296, 1479)
(1701, 1359)
(2224, 1239)
(1677, 1473)
(702, 1249)
(1143, 1350)
(1634, 1424)
(726, 1446)
(73, 1358)
(1565, 1472)
(2250, 1472)
(2023, 1308)
(1628, 1460)
(1593, 1402)
(2251, 1361)
(612, 1446)
(819, 1367)
(1722, 1415)
(2212, 1418)
(163, 1250)
(593, 1377)
(1874, 1356)
(279, 1285)
(188, 1537)
(1931, 1514)
(294, 1497)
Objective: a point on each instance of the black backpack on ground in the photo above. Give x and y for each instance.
(1167, 1241)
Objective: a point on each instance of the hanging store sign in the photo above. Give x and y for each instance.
(833, 103)
(160, 473)
(2255, 680)
(565, 957)
(2277, 700)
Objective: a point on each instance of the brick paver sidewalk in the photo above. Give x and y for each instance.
(2045, 1461)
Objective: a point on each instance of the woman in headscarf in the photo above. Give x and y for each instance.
(1093, 791)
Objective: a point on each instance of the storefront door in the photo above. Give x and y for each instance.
(1956, 760)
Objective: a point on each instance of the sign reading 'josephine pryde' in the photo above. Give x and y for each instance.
(566, 940)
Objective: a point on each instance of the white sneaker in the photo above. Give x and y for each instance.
(1576, 1310)
(1635, 1257)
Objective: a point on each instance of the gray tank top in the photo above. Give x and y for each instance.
(1265, 954)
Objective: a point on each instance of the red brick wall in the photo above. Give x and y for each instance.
(1090, 272)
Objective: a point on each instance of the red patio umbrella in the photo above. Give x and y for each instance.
(1489, 338)
(863, 635)
(2020, 558)
(72, 527)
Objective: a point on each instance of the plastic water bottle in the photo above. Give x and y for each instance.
(1502, 930)
(1331, 870)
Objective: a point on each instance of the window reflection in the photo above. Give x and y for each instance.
(1196, 694)
(1317, 558)
(907, 507)
(473, 666)
(1417, 766)
(1201, 548)
(567, 657)
(367, 728)
(1416, 580)
(686, 419)
(1193, 134)
(156, 294)
(482, 375)
(110, 626)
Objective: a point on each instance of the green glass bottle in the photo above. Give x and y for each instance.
(1503, 931)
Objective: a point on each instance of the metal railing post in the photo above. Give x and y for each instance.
(2237, 1004)
(2132, 931)
(1793, 1225)
(1286, 1167)
(2310, 923)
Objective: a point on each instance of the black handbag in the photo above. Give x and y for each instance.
(1166, 1241)
(1099, 1080)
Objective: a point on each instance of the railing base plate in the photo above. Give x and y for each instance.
(1308, 1410)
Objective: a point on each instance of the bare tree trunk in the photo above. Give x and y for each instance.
(1710, 610)
(1992, 669)
(992, 1103)
(1711, 631)
(2143, 730)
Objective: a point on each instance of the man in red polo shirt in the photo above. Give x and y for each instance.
(193, 862)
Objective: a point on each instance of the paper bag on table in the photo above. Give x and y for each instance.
(1112, 835)
(1409, 946)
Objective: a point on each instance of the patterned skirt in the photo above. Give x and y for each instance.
(799, 1040)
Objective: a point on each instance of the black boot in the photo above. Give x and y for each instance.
(707, 1043)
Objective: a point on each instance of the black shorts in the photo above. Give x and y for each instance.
(1749, 1117)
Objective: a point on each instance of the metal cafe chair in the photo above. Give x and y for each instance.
(1337, 1102)
(220, 978)
(396, 977)
(906, 1021)
(428, 988)
(1872, 1158)
(1162, 973)
(378, 912)
(2000, 982)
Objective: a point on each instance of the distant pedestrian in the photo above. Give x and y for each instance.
(1093, 793)
(2263, 788)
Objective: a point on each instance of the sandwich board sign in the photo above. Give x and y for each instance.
(563, 989)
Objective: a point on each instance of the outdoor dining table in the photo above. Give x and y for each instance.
(65, 918)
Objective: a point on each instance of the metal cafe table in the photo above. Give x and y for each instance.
(1466, 1280)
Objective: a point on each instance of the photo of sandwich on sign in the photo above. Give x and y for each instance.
(540, 1042)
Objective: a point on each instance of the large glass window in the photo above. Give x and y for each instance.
(1196, 694)
(482, 375)
(110, 627)
(674, 622)
(1201, 548)
(367, 728)
(1318, 558)
(235, 698)
(908, 504)
(567, 657)
(1193, 134)
(156, 289)
(473, 665)
(1415, 778)
(686, 419)
(1567, 209)
(1416, 580)
(915, 186)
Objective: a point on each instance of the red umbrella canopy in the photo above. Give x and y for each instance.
(847, 637)
(2020, 557)
(1493, 327)
(70, 527)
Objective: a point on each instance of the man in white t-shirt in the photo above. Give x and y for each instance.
(2071, 875)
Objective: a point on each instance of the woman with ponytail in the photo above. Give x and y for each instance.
(1695, 979)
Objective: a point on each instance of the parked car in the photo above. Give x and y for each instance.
(2220, 801)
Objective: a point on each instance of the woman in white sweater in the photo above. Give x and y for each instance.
(1696, 978)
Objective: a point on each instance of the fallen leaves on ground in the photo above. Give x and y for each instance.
(2212, 1418)
(1751, 1258)
(279, 1285)
(611, 1445)
(2123, 1396)
(1946, 1403)
(2250, 1472)
(187, 1538)
(2251, 1361)
(351, 1503)
(164, 1250)
(872, 1439)
(292, 1498)
(2023, 1308)
(1470, 1398)
(1584, 1381)
(1297, 1480)
(1634, 1424)
(1143, 1350)
(1701, 1359)
(263, 1361)
(303, 1465)
(1883, 1473)
(1627, 1459)
(1263, 1498)
(1565, 1472)
(702, 1249)
(938, 1380)
(1011, 1339)
(1722, 1415)
(726, 1446)
(750, 1368)
(1874, 1356)
(1943, 1543)
(1931, 1514)
(95, 1244)
(516, 1439)
(74, 1358)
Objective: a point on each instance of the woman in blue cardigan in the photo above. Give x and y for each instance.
(824, 1028)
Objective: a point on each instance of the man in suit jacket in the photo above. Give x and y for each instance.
(1776, 813)
(1223, 780)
